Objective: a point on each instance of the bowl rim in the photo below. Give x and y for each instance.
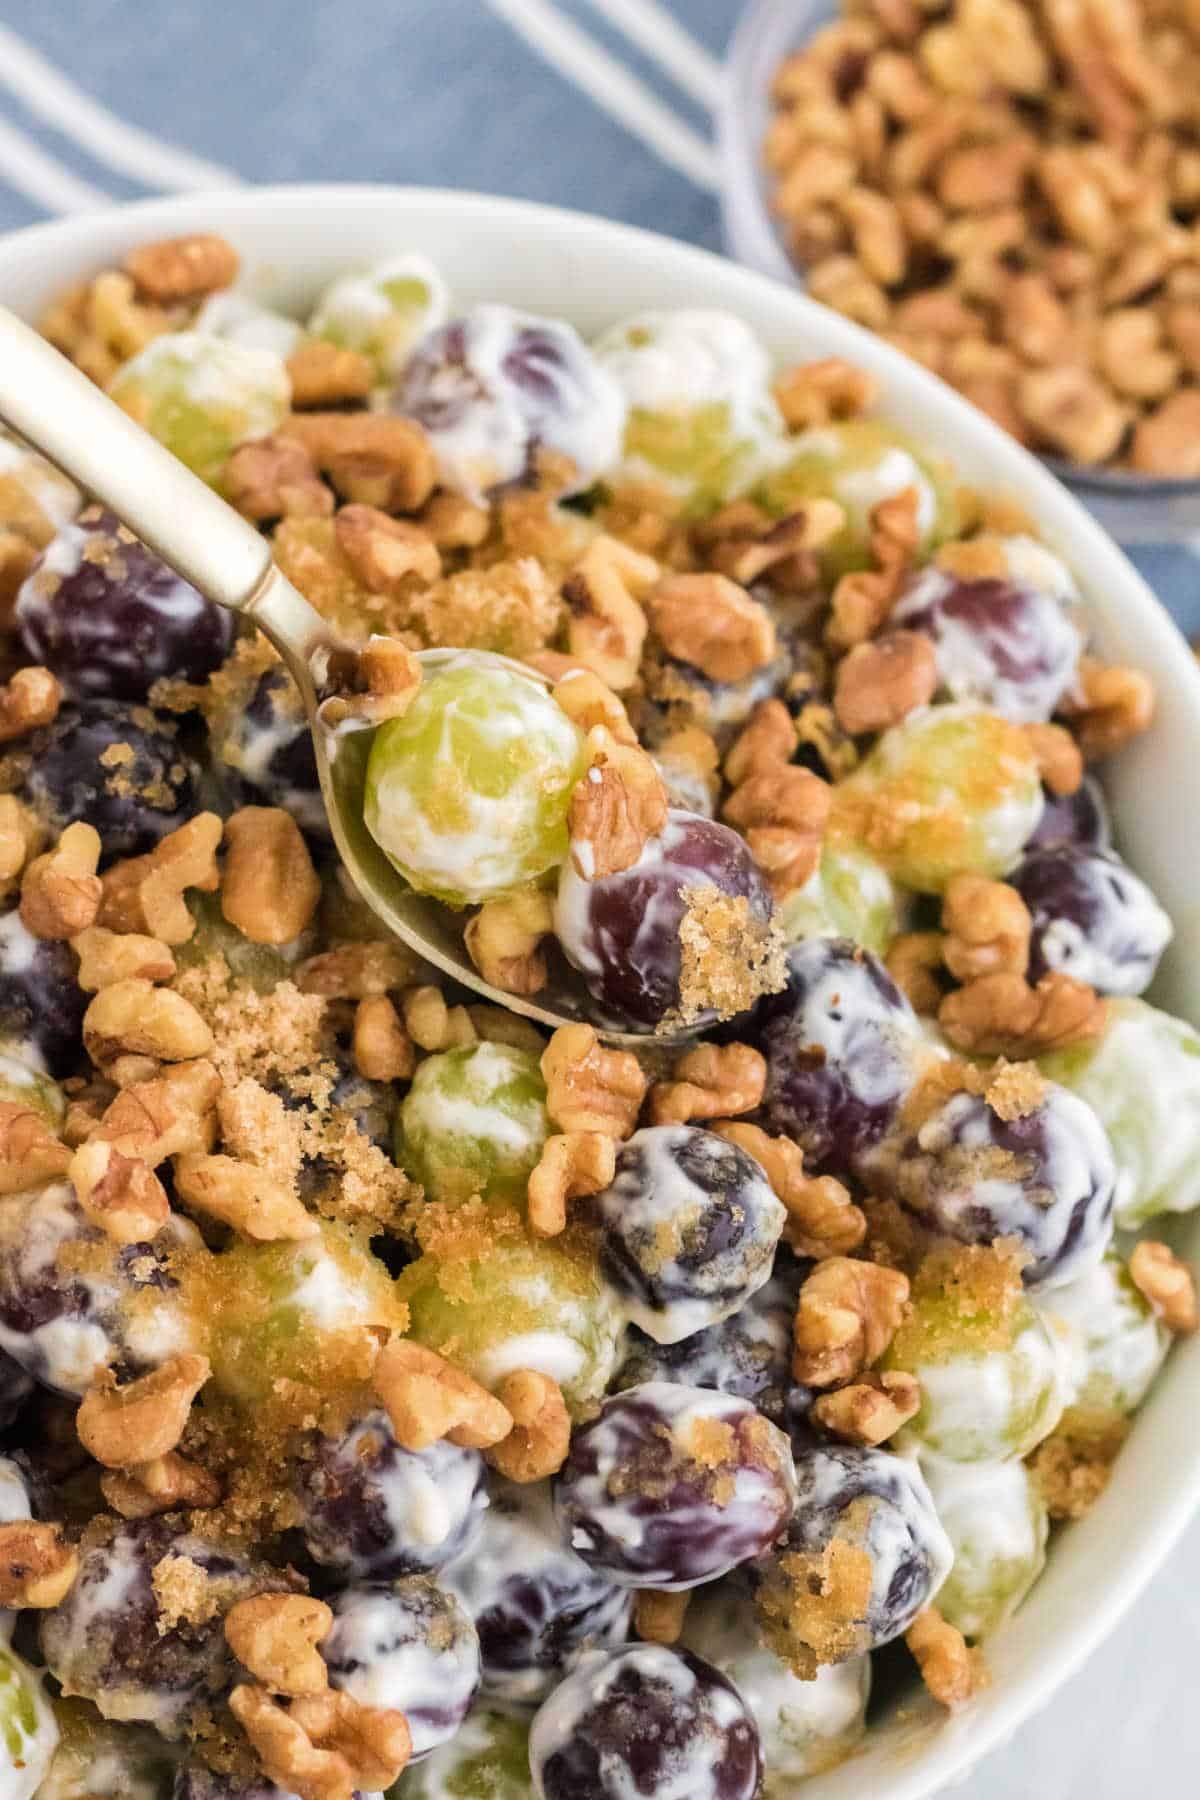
(752, 237)
(483, 226)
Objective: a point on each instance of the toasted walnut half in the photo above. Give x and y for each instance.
(846, 1316)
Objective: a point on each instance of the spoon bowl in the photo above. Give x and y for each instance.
(54, 407)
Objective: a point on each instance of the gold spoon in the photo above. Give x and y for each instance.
(54, 407)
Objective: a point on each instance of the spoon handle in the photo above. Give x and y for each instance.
(69, 419)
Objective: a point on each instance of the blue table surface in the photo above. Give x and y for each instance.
(453, 93)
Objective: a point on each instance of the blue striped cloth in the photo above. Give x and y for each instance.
(557, 100)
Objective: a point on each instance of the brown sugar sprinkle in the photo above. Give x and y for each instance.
(812, 1607)
(184, 1593)
(1071, 1474)
(979, 1293)
(729, 957)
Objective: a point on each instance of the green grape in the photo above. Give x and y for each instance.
(487, 1759)
(467, 794)
(952, 790)
(519, 1304)
(858, 464)
(295, 1311)
(850, 895)
(702, 420)
(1118, 1343)
(99, 1760)
(22, 1086)
(994, 1374)
(202, 396)
(1142, 1079)
(997, 1522)
(474, 1122)
(264, 966)
(382, 311)
(28, 1733)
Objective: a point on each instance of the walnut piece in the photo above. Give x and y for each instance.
(881, 682)
(324, 374)
(503, 941)
(589, 702)
(275, 478)
(913, 961)
(369, 686)
(1112, 706)
(270, 889)
(950, 1671)
(135, 1016)
(604, 594)
(658, 1614)
(1168, 1284)
(146, 893)
(783, 814)
(172, 1112)
(863, 599)
(589, 1088)
(818, 392)
(822, 1219)
(764, 746)
(358, 971)
(1059, 758)
(374, 458)
(167, 1483)
(871, 1409)
(254, 1202)
(713, 624)
(385, 552)
(29, 1151)
(60, 892)
(108, 956)
(121, 1194)
(618, 806)
(572, 1165)
(427, 1398)
(182, 268)
(30, 699)
(987, 928)
(37, 1569)
(275, 1636)
(711, 1081)
(846, 1316)
(324, 1746)
(1001, 1015)
(537, 1445)
(383, 1050)
(432, 1025)
(125, 1426)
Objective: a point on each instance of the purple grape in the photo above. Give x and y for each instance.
(1011, 647)
(622, 932)
(406, 1647)
(109, 1642)
(1047, 1178)
(15, 1389)
(748, 1354)
(264, 751)
(670, 1486)
(110, 618)
(1093, 918)
(41, 1002)
(645, 1721)
(1078, 818)
(689, 1229)
(842, 1050)
(536, 1605)
(195, 1782)
(372, 1510)
(119, 767)
(873, 1502)
(495, 386)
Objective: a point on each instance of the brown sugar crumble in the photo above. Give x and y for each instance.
(729, 959)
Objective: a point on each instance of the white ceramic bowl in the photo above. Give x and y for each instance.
(294, 239)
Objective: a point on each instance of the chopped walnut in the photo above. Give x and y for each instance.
(711, 1081)
(572, 1164)
(713, 624)
(31, 698)
(1166, 441)
(913, 961)
(383, 1050)
(125, 1426)
(29, 1151)
(589, 1088)
(1073, 411)
(1001, 1015)
(274, 477)
(107, 956)
(385, 552)
(101, 324)
(325, 1746)
(618, 806)
(371, 685)
(37, 1569)
(258, 1205)
(135, 1016)
(324, 374)
(779, 551)
(846, 1316)
(783, 814)
(432, 1025)
(60, 892)
(146, 893)
(863, 599)
(275, 1637)
(503, 941)
(20, 833)
(377, 459)
(604, 593)
(427, 1398)
(1111, 706)
(358, 971)
(1059, 758)
(537, 1445)
(1168, 1284)
(987, 928)
(951, 1672)
(270, 889)
(167, 1483)
(822, 1219)
(764, 746)
(496, 1025)
(183, 268)
(120, 1194)
(816, 393)
(174, 1111)
(658, 1614)
(880, 683)
(871, 1409)
(589, 702)
(454, 522)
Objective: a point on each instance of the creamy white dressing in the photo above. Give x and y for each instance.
(357, 310)
(426, 1671)
(986, 1408)
(216, 375)
(23, 1765)
(1117, 1342)
(240, 320)
(998, 1525)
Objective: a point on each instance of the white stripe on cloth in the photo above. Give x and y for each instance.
(50, 96)
(626, 99)
(692, 68)
(25, 167)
